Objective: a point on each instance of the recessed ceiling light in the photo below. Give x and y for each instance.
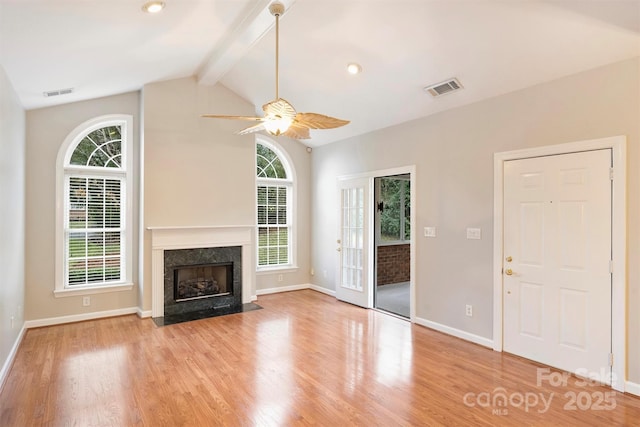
(354, 68)
(153, 6)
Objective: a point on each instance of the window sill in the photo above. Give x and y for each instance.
(278, 269)
(90, 290)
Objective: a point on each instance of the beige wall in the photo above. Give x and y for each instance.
(12, 209)
(197, 172)
(453, 153)
(47, 129)
(188, 162)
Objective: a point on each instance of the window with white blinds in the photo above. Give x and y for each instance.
(273, 225)
(96, 237)
(94, 232)
(274, 207)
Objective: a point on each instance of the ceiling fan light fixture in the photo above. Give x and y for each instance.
(280, 118)
(354, 68)
(277, 126)
(153, 6)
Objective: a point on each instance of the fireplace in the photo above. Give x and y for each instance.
(198, 279)
(167, 239)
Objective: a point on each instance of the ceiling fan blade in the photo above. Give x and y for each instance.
(318, 121)
(249, 118)
(280, 109)
(296, 131)
(251, 129)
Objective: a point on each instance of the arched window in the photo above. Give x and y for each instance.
(94, 218)
(274, 182)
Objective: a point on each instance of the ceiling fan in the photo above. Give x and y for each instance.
(280, 118)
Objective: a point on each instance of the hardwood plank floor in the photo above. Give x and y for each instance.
(305, 359)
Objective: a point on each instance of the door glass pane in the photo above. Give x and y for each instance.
(352, 237)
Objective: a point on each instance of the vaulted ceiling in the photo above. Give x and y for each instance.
(492, 46)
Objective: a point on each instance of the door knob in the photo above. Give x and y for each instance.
(508, 272)
(338, 249)
(509, 259)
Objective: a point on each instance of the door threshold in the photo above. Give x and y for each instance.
(379, 310)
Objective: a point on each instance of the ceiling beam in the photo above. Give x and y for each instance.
(256, 22)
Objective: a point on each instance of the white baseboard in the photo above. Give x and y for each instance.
(143, 314)
(281, 289)
(79, 317)
(4, 373)
(323, 290)
(632, 388)
(486, 342)
(295, 288)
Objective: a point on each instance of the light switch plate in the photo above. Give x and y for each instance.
(429, 232)
(474, 233)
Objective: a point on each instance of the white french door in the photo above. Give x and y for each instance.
(557, 248)
(353, 242)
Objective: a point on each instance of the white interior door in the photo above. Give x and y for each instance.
(557, 247)
(353, 243)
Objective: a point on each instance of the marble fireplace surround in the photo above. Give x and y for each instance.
(167, 238)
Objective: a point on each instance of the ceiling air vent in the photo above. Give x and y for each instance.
(448, 86)
(58, 92)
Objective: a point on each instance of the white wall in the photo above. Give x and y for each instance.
(12, 211)
(47, 129)
(197, 172)
(453, 153)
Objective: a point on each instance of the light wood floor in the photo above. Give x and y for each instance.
(305, 359)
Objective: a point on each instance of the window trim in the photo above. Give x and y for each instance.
(63, 159)
(291, 184)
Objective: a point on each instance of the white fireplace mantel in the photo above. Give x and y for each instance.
(167, 238)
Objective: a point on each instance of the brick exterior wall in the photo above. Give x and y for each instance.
(393, 264)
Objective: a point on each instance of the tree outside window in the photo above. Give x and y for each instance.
(395, 204)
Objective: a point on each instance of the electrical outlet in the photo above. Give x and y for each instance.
(280, 278)
(469, 310)
(86, 301)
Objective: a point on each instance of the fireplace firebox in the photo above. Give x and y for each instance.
(202, 281)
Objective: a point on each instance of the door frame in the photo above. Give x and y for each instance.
(618, 146)
(371, 175)
(377, 236)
